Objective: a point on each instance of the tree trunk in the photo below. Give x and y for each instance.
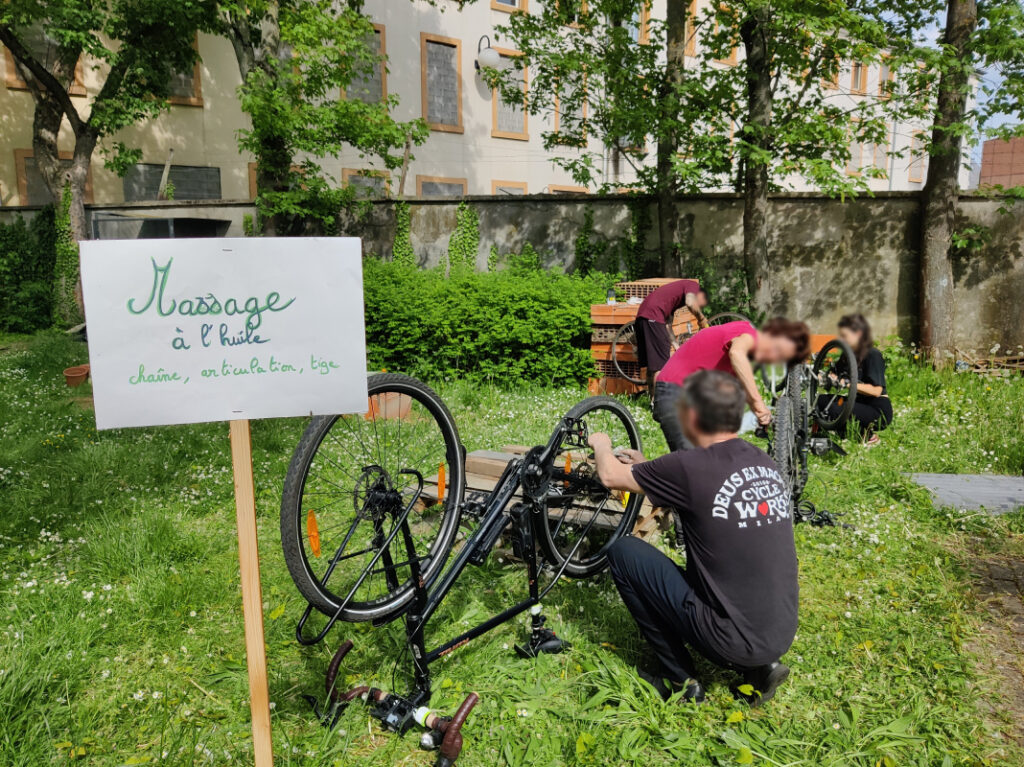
(257, 45)
(677, 20)
(757, 133)
(940, 198)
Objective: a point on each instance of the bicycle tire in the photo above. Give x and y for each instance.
(626, 335)
(546, 530)
(717, 319)
(848, 397)
(783, 446)
(293, 514)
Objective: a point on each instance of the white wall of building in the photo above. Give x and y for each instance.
(201, 131)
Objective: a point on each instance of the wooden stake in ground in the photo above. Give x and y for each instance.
(252, 595)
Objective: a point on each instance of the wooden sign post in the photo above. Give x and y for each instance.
(187, 331)
(252, 593)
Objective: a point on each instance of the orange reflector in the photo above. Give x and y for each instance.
(568, 463)
(313, 532)
(440, 483)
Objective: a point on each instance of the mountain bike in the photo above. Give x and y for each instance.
(804, 416)
(626, 339)
(374, 504)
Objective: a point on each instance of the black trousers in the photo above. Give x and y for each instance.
(654, 590)
(870, 416)
(654, 344)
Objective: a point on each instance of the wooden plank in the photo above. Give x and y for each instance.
(601, 351)
(613, 314)
(612, 385)
(488, 463)
(252, 598)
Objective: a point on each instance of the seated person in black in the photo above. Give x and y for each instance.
(872, 410)
(735, 603)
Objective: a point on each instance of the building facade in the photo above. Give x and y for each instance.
(477, 145)
(1002, 163)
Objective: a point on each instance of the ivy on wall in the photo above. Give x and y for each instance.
(65, 271)
(401, 248)
(465, 240)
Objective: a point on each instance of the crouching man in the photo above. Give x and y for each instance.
(736, 601)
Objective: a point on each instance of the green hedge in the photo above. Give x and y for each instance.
(519, 324)
(27, 256)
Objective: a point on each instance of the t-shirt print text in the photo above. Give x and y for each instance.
(755, 494)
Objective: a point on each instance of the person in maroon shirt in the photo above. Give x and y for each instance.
(654, 318)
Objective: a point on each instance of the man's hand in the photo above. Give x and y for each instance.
(612, 471)
(764, 415)
(629, 456)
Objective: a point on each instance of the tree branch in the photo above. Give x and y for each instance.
(42, 76)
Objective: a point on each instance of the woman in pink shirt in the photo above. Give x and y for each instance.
(731, 348)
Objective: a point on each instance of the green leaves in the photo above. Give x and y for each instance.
(521, 323)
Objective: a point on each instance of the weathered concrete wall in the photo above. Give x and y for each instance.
(828, 257)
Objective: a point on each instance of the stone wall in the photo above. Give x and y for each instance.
(828, 256)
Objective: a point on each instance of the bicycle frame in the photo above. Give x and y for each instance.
(531, 474)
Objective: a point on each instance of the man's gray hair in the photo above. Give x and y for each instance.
(718, 400)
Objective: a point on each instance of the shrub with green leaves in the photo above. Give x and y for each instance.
(519, 324)
(27, 256)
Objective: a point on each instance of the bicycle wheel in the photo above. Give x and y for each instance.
(345, 489)
(628, 369)
(717, 319)
(575, 496)
(784, 449)
(834, 375)
(724, 317)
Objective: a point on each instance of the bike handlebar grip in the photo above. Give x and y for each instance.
(332, 669)
(451, 746)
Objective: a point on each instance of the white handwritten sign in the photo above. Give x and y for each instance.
(191, 330)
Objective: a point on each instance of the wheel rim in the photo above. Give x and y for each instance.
(630, 370)
(576, 497)
(724, 317)
(355, 489)
(835, 358)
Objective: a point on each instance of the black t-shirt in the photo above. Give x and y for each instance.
(740, 554)
(870, 371)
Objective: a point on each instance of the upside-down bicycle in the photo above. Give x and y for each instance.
(811, 401)
(375, 504)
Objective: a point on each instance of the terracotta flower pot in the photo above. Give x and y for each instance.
(75, 376)
(389, 406)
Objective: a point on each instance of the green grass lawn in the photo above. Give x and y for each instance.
(122, 632)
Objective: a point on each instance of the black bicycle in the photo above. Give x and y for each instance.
(625, 348)
(372, 508)
(817, 399)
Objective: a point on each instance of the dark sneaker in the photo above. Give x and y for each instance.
(759, 684)
(692, 690)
